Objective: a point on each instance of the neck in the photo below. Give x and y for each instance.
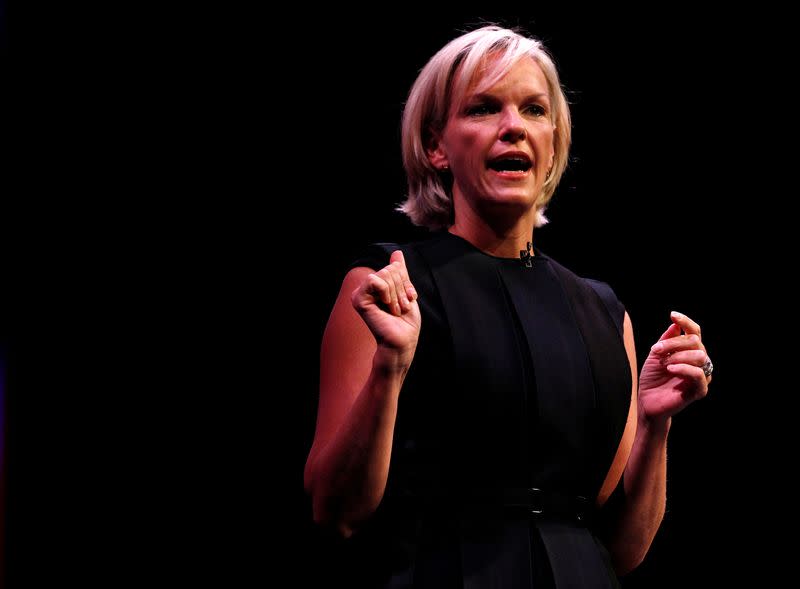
(504, 242)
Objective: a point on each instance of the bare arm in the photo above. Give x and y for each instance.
(367, 348)
(670, 380)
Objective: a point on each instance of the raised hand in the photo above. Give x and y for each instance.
(387, 301)
(677, 371)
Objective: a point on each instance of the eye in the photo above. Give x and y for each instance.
(536, 110)
(480, 109)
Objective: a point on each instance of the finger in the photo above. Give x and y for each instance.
(372, 290)
(691, 357)
(685, 323)
(397, 256)
(672, 331)
(411, 292)
(691, 373)
(393, 304)
(687, 370)
(400, 275)
(399, 287)
(408, 286)
(677, 344)
(378, 288)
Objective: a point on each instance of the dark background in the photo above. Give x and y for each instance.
(667, 198)
(673, 196)
(189, 189)
(664, 167)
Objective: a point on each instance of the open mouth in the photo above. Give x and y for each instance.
(514, 163)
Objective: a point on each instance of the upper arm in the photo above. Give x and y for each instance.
(348, 347)
(628, 435)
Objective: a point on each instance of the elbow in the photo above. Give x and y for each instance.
(320, 512)
(626, 564)
(336, 515)
(329, 519)
(331, 508)
(341, 528)
(627, 556)
(323, 511)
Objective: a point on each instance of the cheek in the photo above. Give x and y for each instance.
(544, 140)
(468, 148)
(468, 139)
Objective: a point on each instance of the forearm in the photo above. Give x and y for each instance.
(645, 481)
(348, 475)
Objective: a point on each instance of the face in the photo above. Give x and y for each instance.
(499, 143)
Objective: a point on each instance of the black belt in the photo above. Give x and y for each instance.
(529, 502)
(538, 503)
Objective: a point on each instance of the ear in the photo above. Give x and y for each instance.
(436, 153)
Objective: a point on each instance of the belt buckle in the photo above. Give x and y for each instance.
(535, 503)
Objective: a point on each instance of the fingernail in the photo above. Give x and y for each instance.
(657, 347)
(676, 315)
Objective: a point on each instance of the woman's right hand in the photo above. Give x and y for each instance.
(387, 302)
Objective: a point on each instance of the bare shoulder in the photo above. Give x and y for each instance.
(348, 347)
(344, 321)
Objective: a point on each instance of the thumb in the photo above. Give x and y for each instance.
(397, 256)
(673, 330)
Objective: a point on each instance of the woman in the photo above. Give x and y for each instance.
(480, 421)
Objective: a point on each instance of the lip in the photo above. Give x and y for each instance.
(511, 175)
(510, 154)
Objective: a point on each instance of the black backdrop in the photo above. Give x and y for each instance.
(640, 207)
(659, 201)
(191, 202)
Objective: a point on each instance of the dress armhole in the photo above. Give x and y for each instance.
(615, 308)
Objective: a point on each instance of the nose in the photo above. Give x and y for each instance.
(512, 127)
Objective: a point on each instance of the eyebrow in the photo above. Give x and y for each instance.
(529, 97)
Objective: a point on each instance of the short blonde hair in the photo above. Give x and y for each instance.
(429, 202)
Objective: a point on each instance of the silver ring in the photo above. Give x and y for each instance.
(708, 367)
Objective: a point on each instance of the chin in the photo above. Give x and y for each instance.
(518, 204)
(514, 197)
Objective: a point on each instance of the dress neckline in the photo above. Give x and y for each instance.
(536, 255)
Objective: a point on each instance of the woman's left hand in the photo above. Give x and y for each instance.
(674, 373)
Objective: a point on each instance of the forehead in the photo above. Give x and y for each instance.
(524, 76)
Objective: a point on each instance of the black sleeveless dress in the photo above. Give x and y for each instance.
(520, 381)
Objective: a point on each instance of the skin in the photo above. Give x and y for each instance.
(375, 325)
(495, 211)
(373, 330)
